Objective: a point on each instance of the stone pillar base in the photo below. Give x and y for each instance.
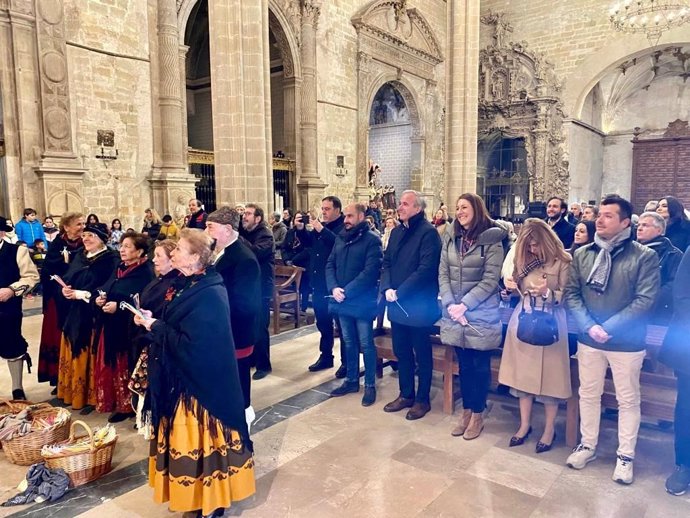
(362, 194)
(171, 190)
(61, 186)
(309, 193)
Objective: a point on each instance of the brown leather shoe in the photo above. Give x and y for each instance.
(463, 423)
(398, 404)
(418, 411)
(474, 428)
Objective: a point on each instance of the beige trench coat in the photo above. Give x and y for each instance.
(542, 371)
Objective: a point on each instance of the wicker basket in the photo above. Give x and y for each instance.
(12, 406)
(83, 467)
(26, 450)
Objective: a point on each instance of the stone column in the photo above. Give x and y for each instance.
(462, 72)
(170, 180)
(58, 170)
(238, 97)
(310, 185)
(183, 49)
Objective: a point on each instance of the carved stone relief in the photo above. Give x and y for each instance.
(520, 97)
(394, 41)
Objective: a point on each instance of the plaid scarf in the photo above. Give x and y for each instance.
(533, 265)
(462, 242)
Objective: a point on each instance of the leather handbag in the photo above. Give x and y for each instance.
(538, 327)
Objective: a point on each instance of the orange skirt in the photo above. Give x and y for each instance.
(194, 471)
(76, 376)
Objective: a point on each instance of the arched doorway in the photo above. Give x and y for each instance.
(394, 144)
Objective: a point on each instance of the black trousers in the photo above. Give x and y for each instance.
(324, 323)
(475, 377)
(262, 349)
(12, 344)
(244, 366)
(410, 344)
(682, 423)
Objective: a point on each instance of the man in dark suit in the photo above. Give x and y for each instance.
(556, 211)
(410, 284)
(238, 266)
(320, 242)
(255, 233)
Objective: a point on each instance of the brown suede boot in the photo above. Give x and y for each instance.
(463, 423)
(474, 428)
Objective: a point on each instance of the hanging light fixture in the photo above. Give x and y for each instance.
(651, 17)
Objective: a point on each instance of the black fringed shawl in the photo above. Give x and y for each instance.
(192, 356)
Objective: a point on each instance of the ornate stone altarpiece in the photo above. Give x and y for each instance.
(519, 97)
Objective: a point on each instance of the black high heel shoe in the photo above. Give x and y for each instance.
(542, 447)
(517, 441)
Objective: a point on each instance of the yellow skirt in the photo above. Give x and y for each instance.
(193, 470)
(76, 376)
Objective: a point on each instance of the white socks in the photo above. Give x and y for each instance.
(16, 367)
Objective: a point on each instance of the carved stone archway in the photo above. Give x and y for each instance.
(396, 44)
(520, 97)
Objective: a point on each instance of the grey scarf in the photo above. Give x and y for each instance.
(599, 276)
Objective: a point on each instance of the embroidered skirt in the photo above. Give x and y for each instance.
(49, 351)
(112, 394)
(76, 377)
(193, 469)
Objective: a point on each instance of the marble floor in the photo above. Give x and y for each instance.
(319, 457)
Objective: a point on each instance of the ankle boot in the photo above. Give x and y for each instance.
(463, 423)
(474, 428)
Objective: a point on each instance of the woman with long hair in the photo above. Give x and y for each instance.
(152, 224)
(201, 455)
(471, 259)
(540, 273)
(91, 267)
(115, 331)
(116, 234)
(584, 235)
(677, 223)
(62, 251)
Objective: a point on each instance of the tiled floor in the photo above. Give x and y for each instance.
(319, 457)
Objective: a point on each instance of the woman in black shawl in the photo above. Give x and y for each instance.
(115, 329)
(88, 270)
(61, 252)
(201, 458)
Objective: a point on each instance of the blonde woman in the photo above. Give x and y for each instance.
(540, 273)
(152, 224)
(389, 225)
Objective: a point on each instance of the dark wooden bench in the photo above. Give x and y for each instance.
(658, 384)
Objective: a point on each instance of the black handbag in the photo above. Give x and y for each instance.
(538, 327)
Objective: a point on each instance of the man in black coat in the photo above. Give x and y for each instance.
(259, 239)
(320, 242)
(556, 211)
(410, 283)
(197, 215)
(18, 275)
(352, 275)
(650, 232)
(238, 266)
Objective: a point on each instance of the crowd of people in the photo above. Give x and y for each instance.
(126, 314)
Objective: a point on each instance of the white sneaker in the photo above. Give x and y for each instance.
(580, 456)
(623, 474)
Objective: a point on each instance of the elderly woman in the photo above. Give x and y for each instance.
(153, 298)
(471, 259)
(63, 249)
(89, 269)
(201, 458)
(115, 330)
(540, 272)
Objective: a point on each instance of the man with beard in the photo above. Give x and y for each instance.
(238, 266)
(556, 210)
(259, 239)
(352, 275)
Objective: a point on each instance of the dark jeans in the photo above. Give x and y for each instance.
(244, 366)
(358, 333)
(475, 378)
(324, 323)
(410, 343)
(682, 423)
(262, 351)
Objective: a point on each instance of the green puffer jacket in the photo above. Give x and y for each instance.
(472, 280)
(623, 310)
